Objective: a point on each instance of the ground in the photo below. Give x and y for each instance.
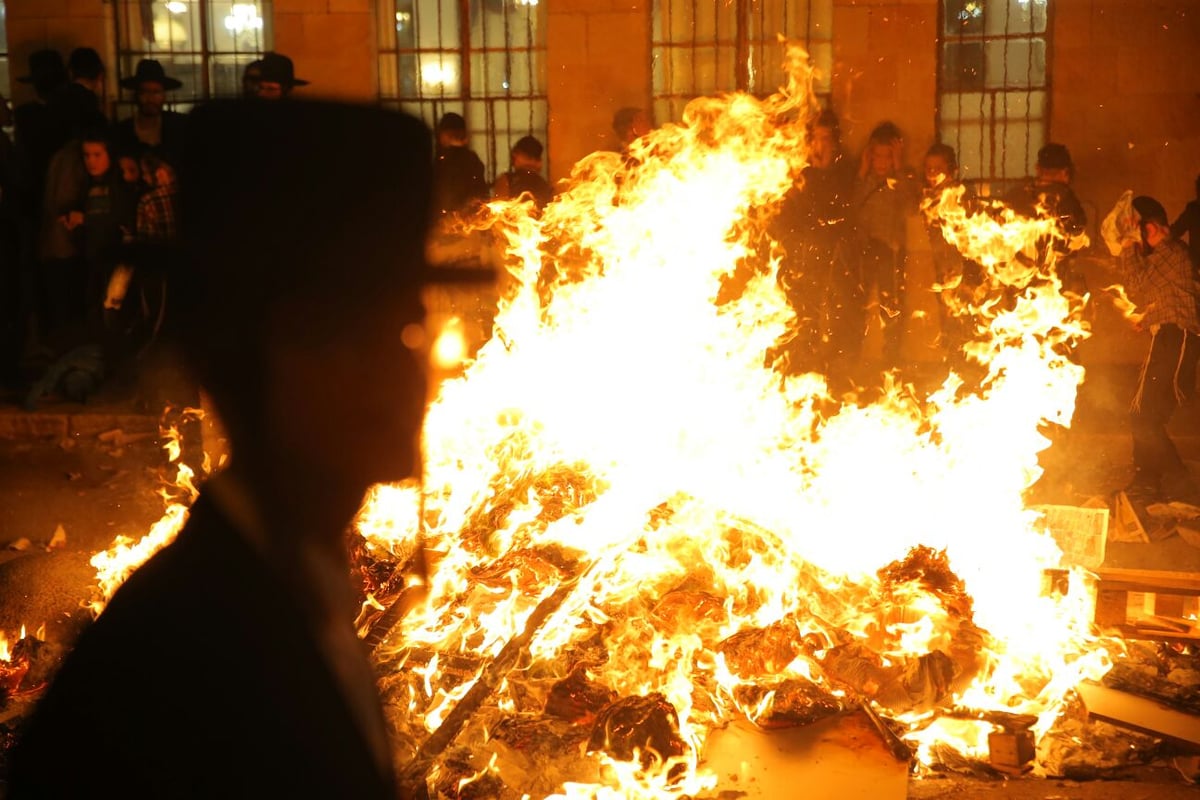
(95, 472)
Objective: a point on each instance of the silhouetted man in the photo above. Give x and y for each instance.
(227, 665)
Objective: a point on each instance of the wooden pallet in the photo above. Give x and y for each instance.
(1169, 594)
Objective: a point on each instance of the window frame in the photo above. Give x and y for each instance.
(128, 55)
(991, 180)
(669, 100)
(501, 127)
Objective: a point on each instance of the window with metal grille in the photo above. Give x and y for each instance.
(206, 44)
(5, 77)
(993, 87)
(484, 59)
(702, 47)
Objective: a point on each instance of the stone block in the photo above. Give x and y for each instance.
(350, 6)
(301, 6)
(34, 9)
(20, 425)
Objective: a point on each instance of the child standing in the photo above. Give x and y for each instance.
(886, 192)
(956, 277)
(108, 215)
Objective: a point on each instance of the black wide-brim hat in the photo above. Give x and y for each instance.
(278, 68)
(349, 230)
(45, 66)
(150, 71)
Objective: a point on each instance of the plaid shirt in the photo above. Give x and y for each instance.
(1161, 283)
(156, 215)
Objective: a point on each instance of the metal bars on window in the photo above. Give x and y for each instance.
(704, 47)
(993, 87)
(5, 75)
(484, 59)
(206, 44)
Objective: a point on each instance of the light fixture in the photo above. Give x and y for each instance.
(243, 17)
(176, 6)
(438, 74)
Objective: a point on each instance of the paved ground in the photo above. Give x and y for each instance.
(95, 470)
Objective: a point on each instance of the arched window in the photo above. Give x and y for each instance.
(204, 43)
(700, 47)
(484, 59)
(994, 87)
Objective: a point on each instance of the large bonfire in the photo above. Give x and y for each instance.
(678, 535)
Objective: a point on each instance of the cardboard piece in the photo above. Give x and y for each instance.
(840, 758)
(1081, 533)
(1140, 714)
(1127, 527)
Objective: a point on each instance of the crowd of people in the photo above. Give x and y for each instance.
(844, 227)
(843, 230)
(88, 219)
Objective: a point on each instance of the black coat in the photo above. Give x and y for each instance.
(174, 137)
(200, 679)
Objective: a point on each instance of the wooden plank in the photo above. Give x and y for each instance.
(1140, 714)
(1112, 607)
(1149, 580)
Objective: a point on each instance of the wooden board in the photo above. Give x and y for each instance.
(1140, 714)
(841, 758)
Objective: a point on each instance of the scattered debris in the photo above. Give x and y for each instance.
(59, 539)
(1127, 526)
(1080, 531)
(1140, 714)
(20, 544)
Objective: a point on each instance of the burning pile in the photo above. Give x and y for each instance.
(637, 531)
(718, 541)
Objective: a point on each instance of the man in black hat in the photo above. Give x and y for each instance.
(35, 137)
(78, 105)
(277, 77)
(227, 665)
(1156, 270)
(152, 125)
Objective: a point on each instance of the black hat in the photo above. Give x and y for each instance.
(347, 231)
(46, 70)
(150, 71)
(84, 62)
(1150, 210)
(278, 68)
(1054, 156)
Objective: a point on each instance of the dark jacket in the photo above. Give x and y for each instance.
(517, 182)
(200, 679)
(174, 137)
(458, 181)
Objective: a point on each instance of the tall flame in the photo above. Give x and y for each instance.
(624, 412)
(623, 430)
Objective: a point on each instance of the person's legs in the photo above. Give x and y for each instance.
(1154, 454)
(845, 301)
